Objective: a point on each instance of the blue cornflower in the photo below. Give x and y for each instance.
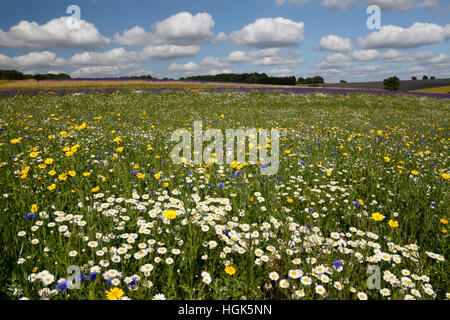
(133, 282)
(63, 286)
(220, 185)
(93, 276)
(134, 172)
(30, 215)
(337, 263)
(356, 204)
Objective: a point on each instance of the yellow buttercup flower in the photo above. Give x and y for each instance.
(52, 187)
(95, 189)
(393, 224)
(115, 294)
(170, 214)
(230, 270)
(15, 141)
(157, 175)
(140, 175)
(445, 176)
(414, 172)
(377, 216)
(48, 161)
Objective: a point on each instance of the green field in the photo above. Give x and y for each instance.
(88, 184)
(443, 90)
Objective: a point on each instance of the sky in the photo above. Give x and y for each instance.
(336, 39)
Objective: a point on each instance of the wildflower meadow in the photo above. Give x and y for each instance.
(93, 207)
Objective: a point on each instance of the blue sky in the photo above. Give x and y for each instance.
(176, 38)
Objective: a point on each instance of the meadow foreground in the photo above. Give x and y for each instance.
(93, 207)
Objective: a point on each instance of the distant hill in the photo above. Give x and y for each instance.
(405, 85)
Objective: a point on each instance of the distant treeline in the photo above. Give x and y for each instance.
(313, 80)
(16, 75)
(138, 77)
(260, 78)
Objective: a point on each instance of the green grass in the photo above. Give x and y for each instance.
(333, 151)
(442, 90)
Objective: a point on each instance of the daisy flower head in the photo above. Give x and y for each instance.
(159, 296)
(274, 276)
(284, 283)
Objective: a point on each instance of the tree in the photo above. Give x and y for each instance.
(392, 83)
(425, 78)
(432, 78)
(343, 81)
(318, 79)
(301, 80)
(413, 78)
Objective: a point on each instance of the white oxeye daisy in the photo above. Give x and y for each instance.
(284, 283)
(299, 293)
(295, 274)
(92, 244)
(159, 296)
(362, 296)
(338, 285)
(320, 290)
(385, 292)
(147, 267)
(274, 276)
(306, 280)
(207, 279)
(73, 253)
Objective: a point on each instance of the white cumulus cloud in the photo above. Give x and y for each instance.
(182, 28)
(417, 35)
(269, 33)
(190, 66)
(335, 43)
(32, 60)
(57, 33)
